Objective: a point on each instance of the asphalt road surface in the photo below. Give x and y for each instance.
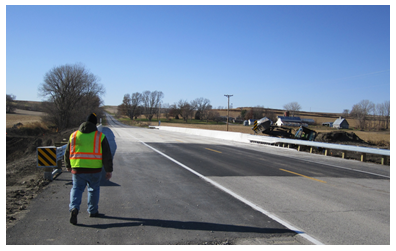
(175, 188)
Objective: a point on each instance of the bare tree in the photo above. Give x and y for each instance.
(202, 106)
(151, 101)
(10, 103)
(186, 109)
(215, 116)
(174, 111)
(165, 109)
(205, 113)
(131, 105)
(381, 114)
(387, 113)
(125, 107)
(71, 93)
(292, 107)
(361, 112)
(345, 113)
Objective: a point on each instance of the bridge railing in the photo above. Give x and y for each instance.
(385, 153)
(248, 138)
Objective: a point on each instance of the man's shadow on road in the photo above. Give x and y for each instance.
(113, 148)
(187, 225)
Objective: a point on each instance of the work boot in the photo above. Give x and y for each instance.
(95, 214)
(73, 216)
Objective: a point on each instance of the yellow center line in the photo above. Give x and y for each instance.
(179, 140)
(302, 175)
(212, 150)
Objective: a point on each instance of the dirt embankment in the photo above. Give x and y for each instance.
(24, 180)
(341, 137)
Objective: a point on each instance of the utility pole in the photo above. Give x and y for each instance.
(228, 108)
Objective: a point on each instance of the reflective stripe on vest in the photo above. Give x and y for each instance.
(88, 154)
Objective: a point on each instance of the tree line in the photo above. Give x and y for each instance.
(149, 104)
(370, 115)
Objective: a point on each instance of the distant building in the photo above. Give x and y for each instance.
(290, 121)
(329, 124)
(308, 121)
(341, 123)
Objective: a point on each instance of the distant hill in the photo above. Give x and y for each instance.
(28, 105)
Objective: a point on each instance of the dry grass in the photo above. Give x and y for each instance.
(381, 138)
(22, 116)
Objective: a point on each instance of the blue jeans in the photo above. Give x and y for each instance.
(80, 181)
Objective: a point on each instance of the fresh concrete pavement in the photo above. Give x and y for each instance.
(176, 188)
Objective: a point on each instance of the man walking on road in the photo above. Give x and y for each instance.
(86, 153)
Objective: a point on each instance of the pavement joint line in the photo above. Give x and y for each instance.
(240, 198)
(341, 167)
(302, 175)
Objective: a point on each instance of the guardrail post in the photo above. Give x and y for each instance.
(343, 155)
(384, 160)
(311, 149)
(48, 173)
(363, 157)
(326, 152)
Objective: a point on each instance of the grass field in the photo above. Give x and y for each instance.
(23, 116)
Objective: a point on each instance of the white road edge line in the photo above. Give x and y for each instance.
(272, 216)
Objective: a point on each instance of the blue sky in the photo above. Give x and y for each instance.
(326, 58)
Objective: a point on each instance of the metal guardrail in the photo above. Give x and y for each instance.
(60, 151)
(273, 140)
(344, 148)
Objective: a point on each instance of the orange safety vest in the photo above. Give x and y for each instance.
(86, 150)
